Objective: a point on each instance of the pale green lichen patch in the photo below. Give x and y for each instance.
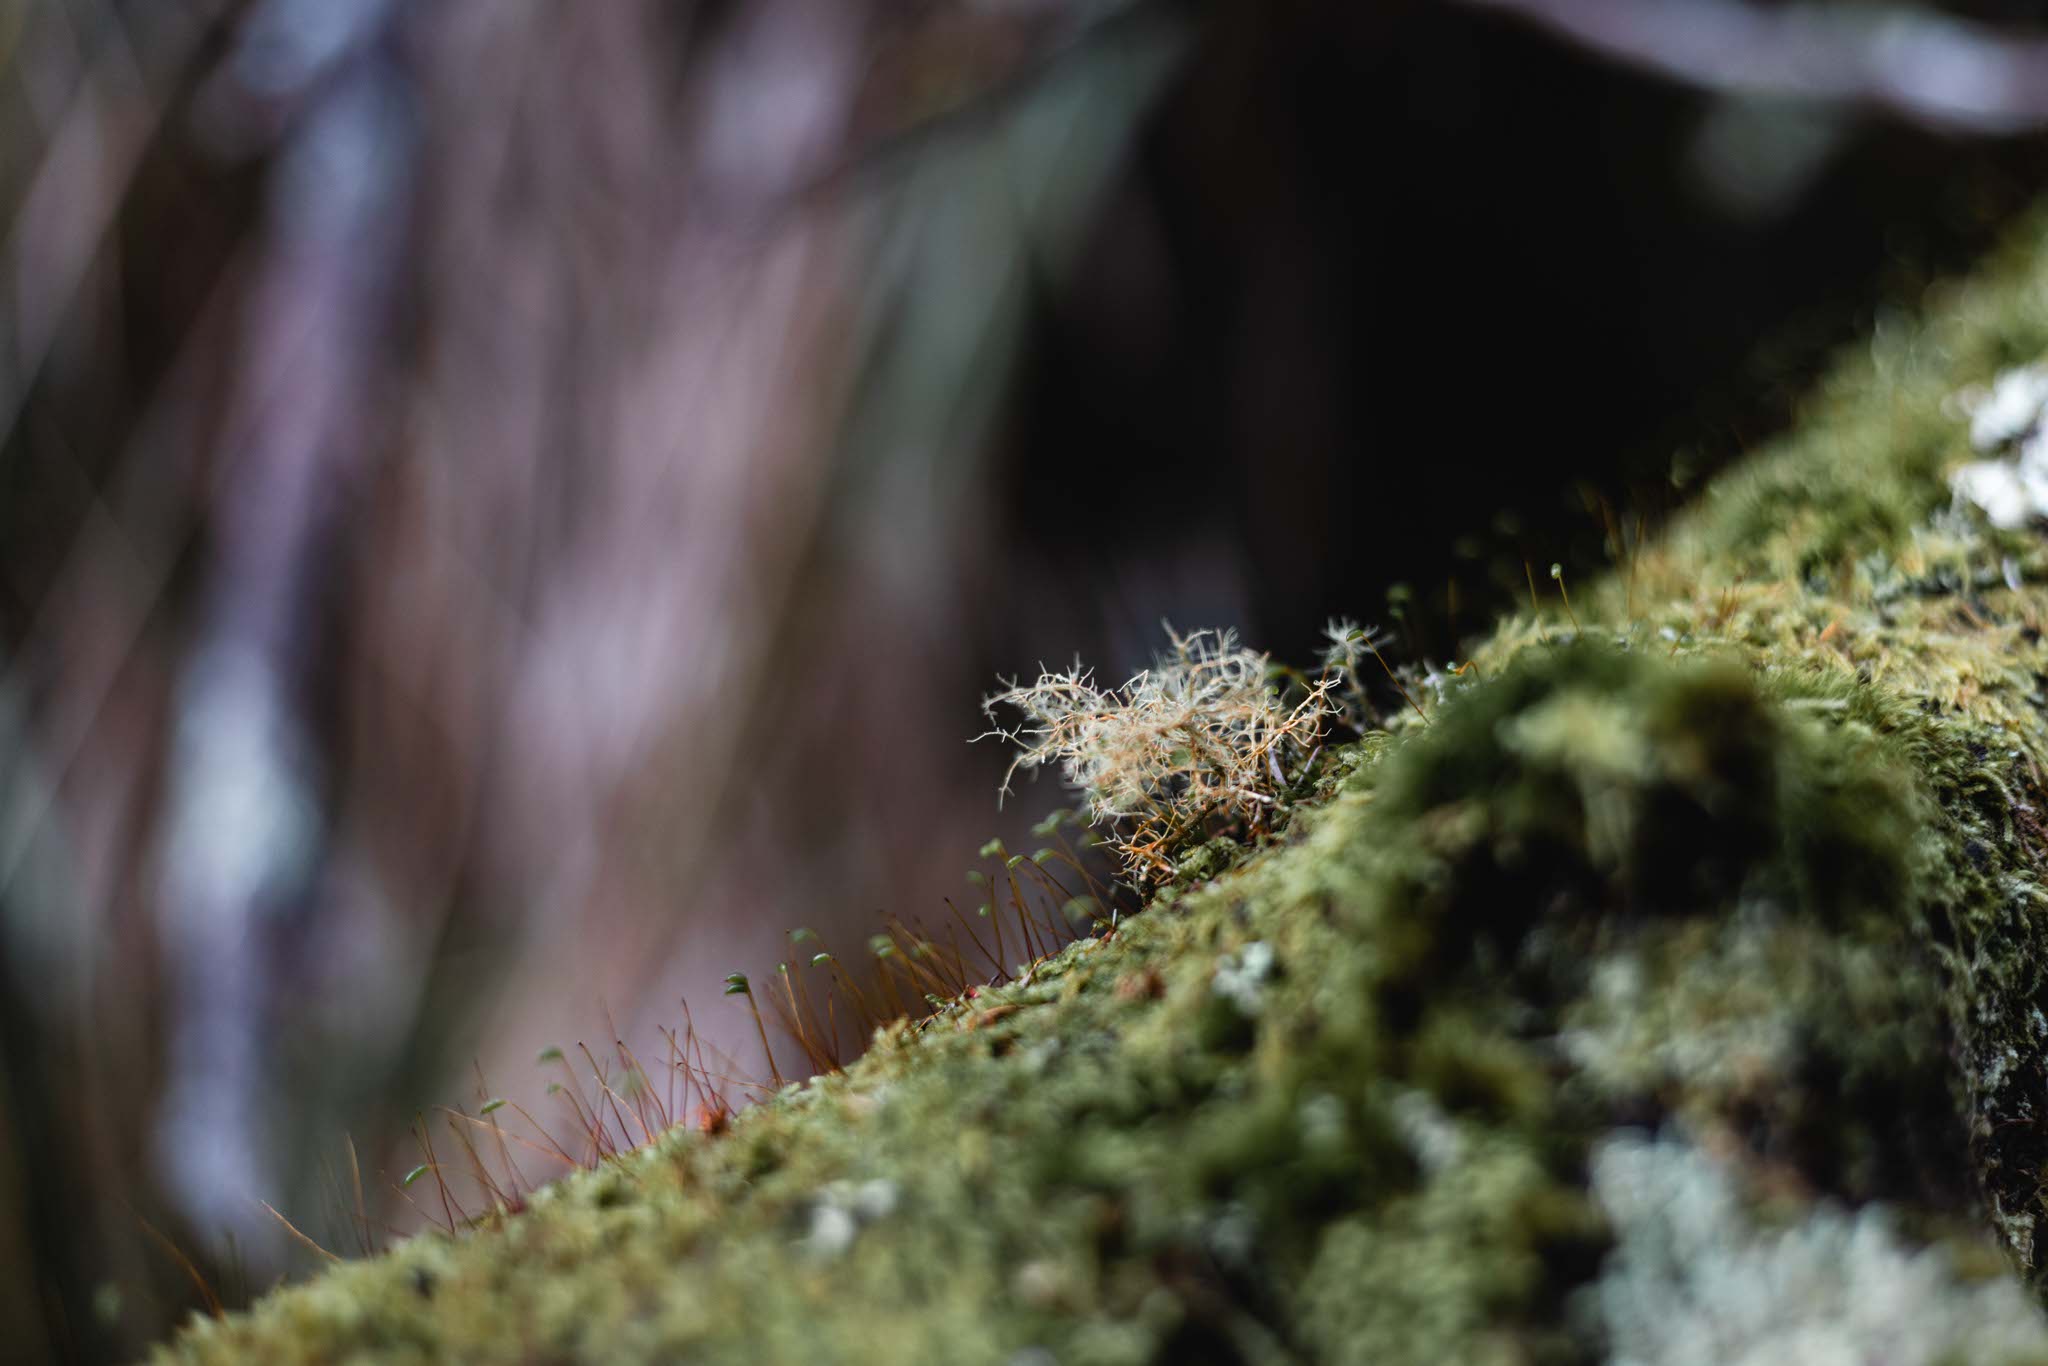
(1746, 855)
(1699, 1278)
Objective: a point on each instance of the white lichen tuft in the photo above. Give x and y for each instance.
(1696, 1280)
(1427, 1132)
(841, 1210)
(1203, 738)
(2007, 419)
(1241, 978)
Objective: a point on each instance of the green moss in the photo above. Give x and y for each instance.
(1869, 458)
(1351, 1071)
(1750, 856)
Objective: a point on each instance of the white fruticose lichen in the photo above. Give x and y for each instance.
(2012, 489)
(1696, 1280)
(1203, 737)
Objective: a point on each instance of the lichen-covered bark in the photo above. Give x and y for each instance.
(1676, 993)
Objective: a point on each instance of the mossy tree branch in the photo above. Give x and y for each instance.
(1701, 940)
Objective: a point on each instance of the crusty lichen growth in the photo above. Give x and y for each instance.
(1739, 887)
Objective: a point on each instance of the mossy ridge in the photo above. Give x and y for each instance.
(1302, 1078)
(1093, 1170)
(1869, 456)
(1365, 1147)
(1834, 566)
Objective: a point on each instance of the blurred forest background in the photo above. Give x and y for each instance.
(507, 509)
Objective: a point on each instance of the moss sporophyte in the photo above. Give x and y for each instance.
(1674, 993)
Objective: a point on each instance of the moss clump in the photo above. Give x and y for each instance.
(1747, 855)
